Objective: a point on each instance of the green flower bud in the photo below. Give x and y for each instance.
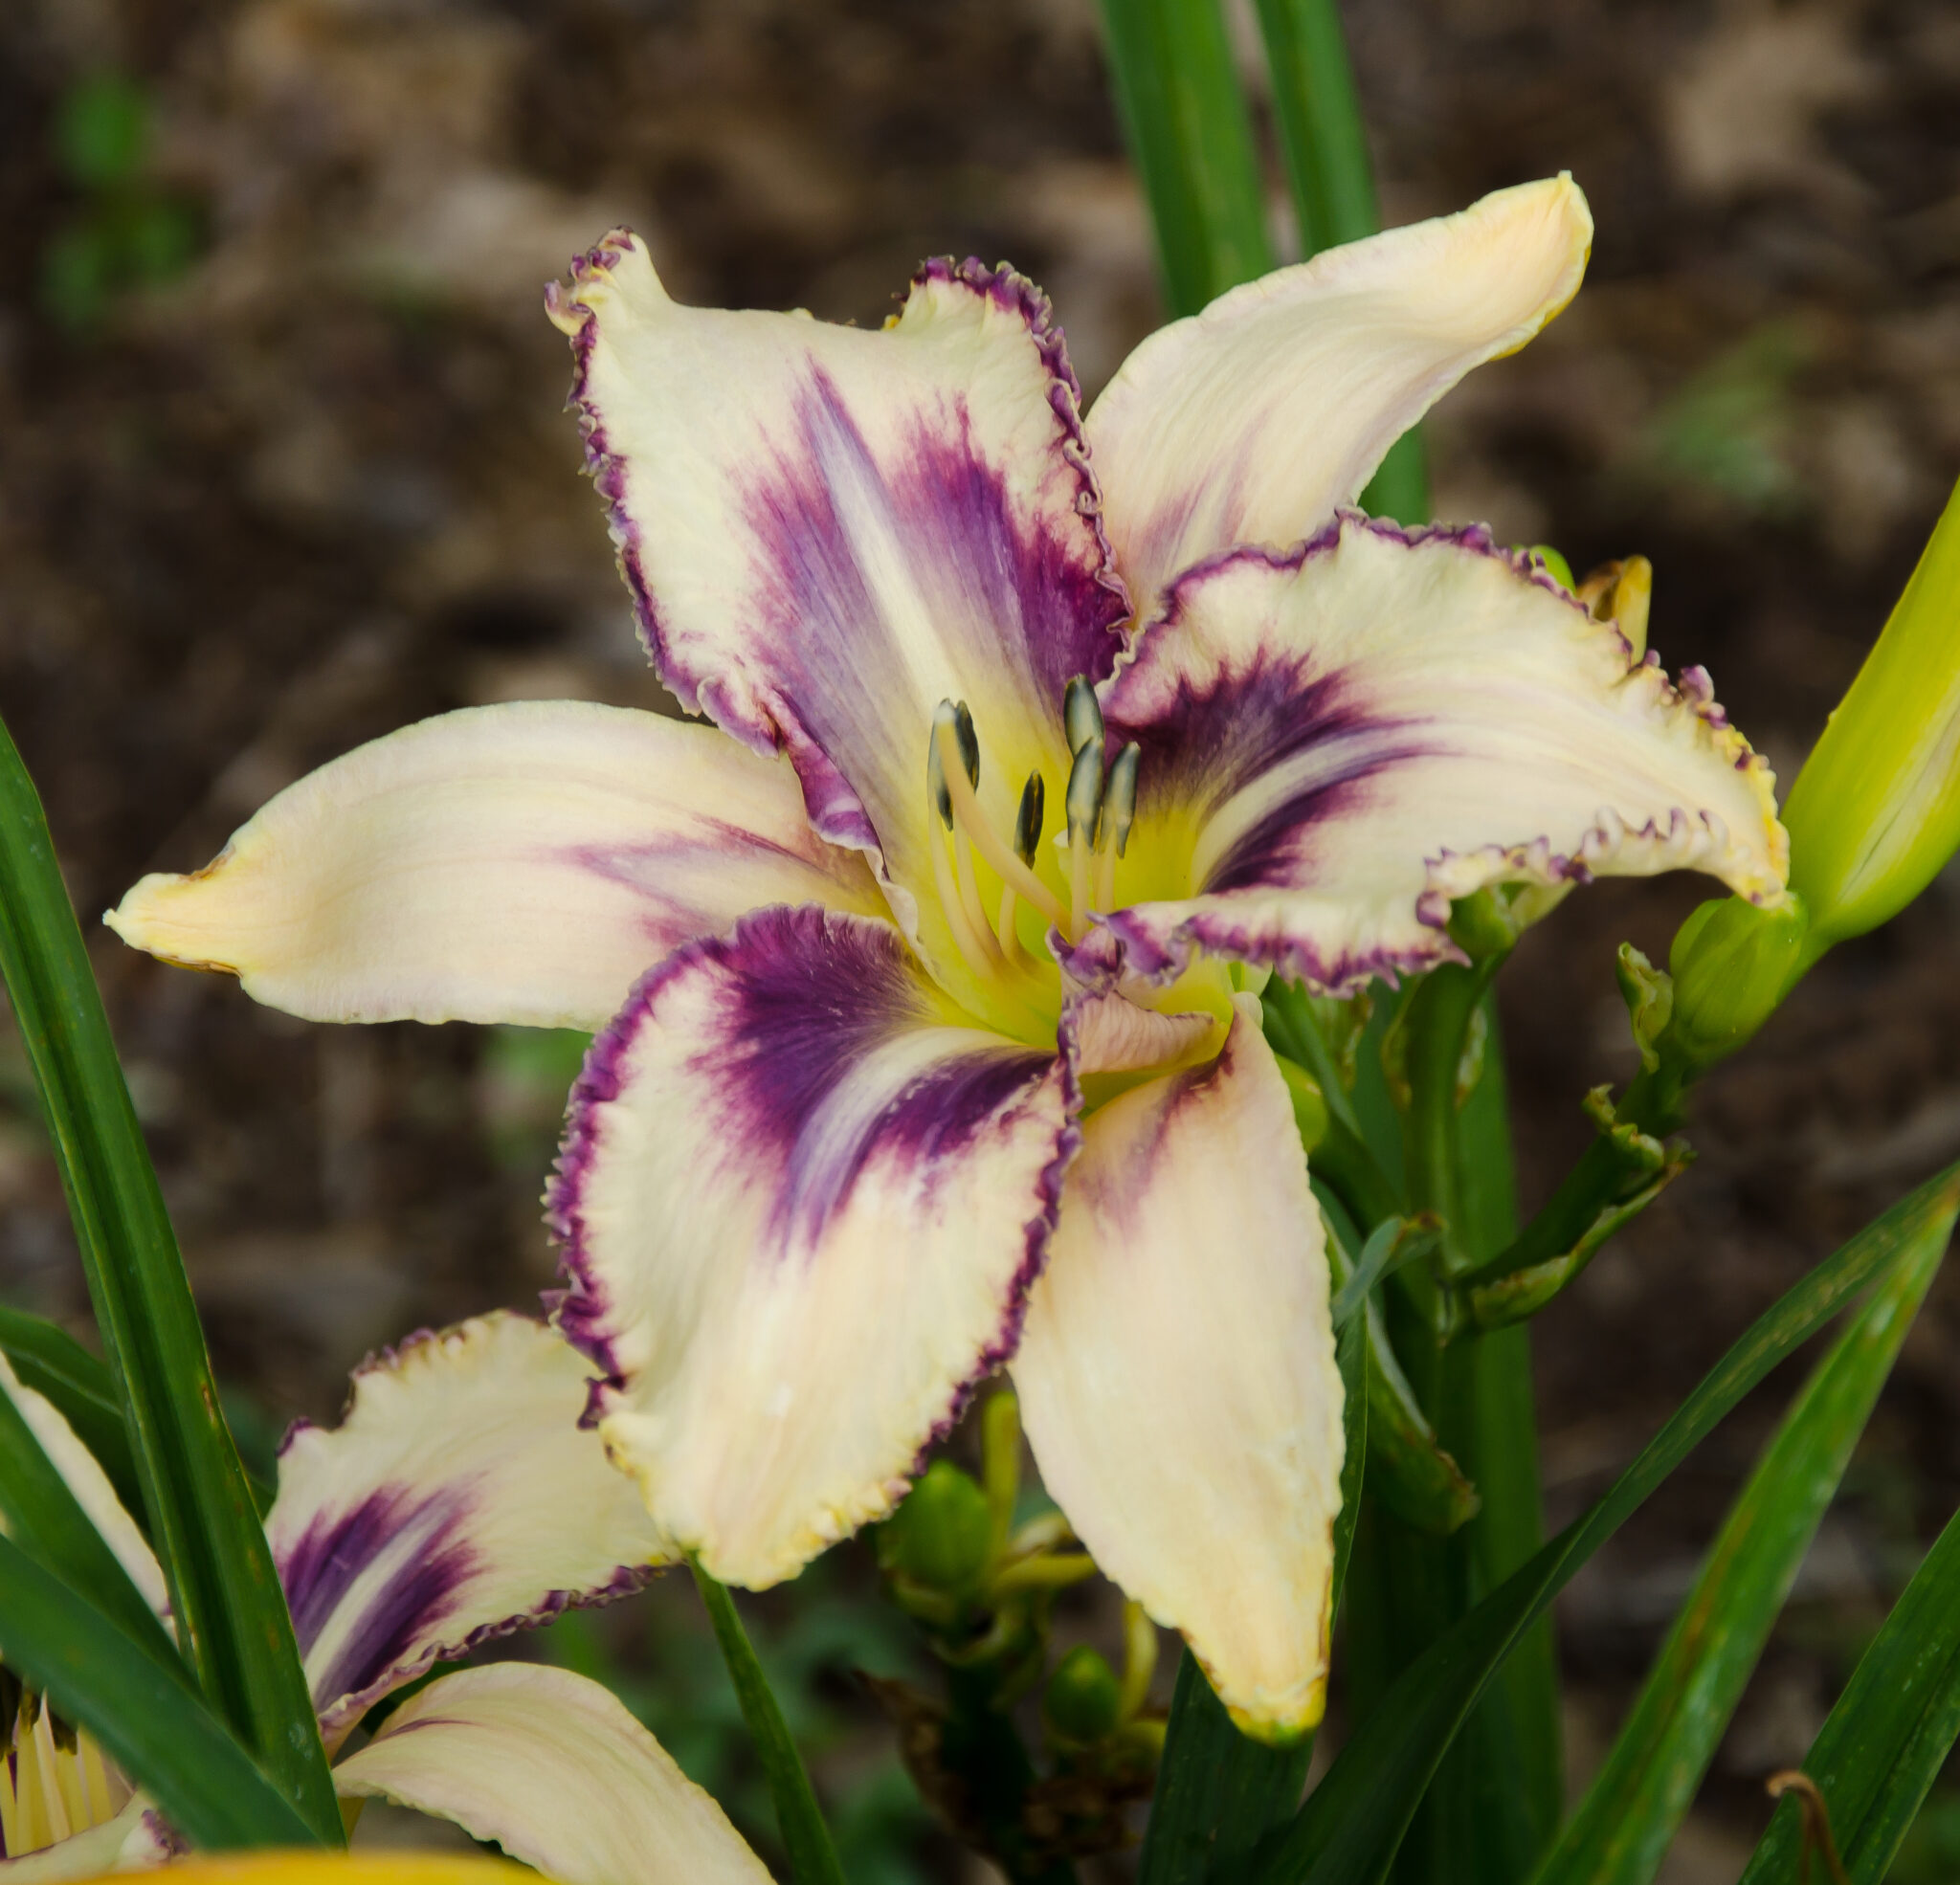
(942, 1536)
(1731, 965)
(1084, 1700)
(1876, 810)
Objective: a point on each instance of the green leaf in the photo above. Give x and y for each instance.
(148, 1720)
(224, 1593)
(1884, 1744)
(1622, 1828)
(1349, 1829)
(49, 1359)
(812, 1857)
(1188, 131)
(1318, 119)
(1218, 1791)
(42, 1516)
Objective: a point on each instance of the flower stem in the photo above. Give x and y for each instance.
(812, 1857)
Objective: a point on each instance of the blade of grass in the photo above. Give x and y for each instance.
(49, 1360)
(148, 1720)
(1352, 1822)
(43, 1516)
(224, 1593)
(1622, 1828)
(1218, 1791)
(812, 1857)
(1188, 131)
(1884, 1744)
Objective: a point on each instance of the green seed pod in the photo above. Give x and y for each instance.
(1085, 1700)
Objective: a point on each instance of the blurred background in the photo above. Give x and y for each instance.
(283, 466)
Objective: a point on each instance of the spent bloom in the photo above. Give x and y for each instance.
(459, 1500)
(1038, 739)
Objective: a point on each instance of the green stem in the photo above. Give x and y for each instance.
(812, 1857)
(225, 1593)
(984, 1747)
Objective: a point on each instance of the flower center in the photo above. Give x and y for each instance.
(1099, 807)
(54, 1781)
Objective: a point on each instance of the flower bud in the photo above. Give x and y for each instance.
(1731, 965)
(1876, 810)
(942, 1536)
(1084, 1700)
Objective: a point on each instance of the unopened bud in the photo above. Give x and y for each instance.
(1553, 564)
(1081, 715)
(942, 1536)
(1084, 1700)
(1876, 810)
(1732, 963)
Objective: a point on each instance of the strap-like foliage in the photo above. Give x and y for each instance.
(147, 1717)
(46, 1358)
(225, 1595)
(1621, 1831)
(1889, 1736)
(1350, 1826)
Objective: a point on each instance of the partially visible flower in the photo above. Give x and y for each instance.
(458, 1501)
(904, 1088)
(1876, 810)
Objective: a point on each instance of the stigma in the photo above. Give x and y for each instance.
(1098, 802)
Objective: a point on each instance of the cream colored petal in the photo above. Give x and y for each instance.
(1177, 1379)
(90, 1484)
(828, 530)
(553, 1769)
(1250, 422)
(457, 1501)
(1340, 741)
(801, 1198)
(523, 863)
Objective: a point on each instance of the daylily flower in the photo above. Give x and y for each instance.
(458, 1501)
(936, 1056)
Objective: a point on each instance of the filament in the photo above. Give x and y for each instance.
(1000, 858)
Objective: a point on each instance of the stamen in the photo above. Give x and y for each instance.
(971, 953)
(969, 895)
(1119, 814)
(1081, 714)
(1084, 804)
(1028, 819)
(966, 813)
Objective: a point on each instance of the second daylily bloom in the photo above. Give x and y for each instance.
(933, 1055)
(458, 1501)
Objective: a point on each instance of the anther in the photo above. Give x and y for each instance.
(1028, 820)
(1085, 797)
(1081, 716)
(1120, 801)
(936, 790)
(970, 744)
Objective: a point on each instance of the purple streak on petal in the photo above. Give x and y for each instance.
(1040, 596)
(808, 994)
(426, 1535)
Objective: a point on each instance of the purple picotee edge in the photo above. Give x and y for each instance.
(624, 1582)
(581, 1310)
(1162, 958)
(609, 470)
